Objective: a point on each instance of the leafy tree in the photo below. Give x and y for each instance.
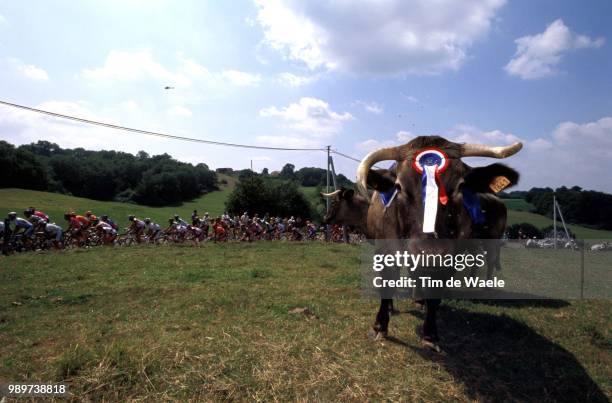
(288, 172)
(21, 169)
(258, 196)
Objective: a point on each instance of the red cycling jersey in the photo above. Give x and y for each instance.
(79, 222)
(41, 215)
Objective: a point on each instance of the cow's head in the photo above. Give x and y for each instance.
(346, 207)
(433, 180)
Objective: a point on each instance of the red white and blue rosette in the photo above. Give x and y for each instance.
(430, 163)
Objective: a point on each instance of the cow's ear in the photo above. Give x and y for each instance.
(347, 194)
(491, 179)
(381, 180)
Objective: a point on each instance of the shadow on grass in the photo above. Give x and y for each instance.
(498, 358)
(523, 303)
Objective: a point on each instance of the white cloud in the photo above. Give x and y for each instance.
(241, 78)
(463, 133)
(573, 154)
(310, 115)
(410, 98)
(371, 107)
(2, 20)
(291, 141)
(21, 127)
(292, 80)
(33, 72)
(132, 66)
(538, 55)
(129, 105)
(27, 70)
(401, 137)
(188, 73)
(179, 111)
(383, 38)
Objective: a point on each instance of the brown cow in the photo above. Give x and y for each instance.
(404, 217)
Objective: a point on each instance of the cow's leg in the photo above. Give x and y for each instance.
(381, 326)
(430, 328)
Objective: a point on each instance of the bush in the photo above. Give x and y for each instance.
(255, 195)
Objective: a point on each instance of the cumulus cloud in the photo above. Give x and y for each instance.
(131, 66)
(573, 154)
(539, 55)
(382, 38)
(292, 80)
(371, 107)
(291, 141)
(179, 111)
(309, 115)
(401, 137)
(27, 70)
(241, 78)
(137, 66)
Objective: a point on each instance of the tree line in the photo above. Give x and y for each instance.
(103, 175)
(585, 207)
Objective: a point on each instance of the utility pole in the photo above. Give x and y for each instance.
(555, 218)
(327, 198)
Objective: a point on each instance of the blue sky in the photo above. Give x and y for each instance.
(355, 75)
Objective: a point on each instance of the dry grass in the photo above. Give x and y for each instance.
(215, 323)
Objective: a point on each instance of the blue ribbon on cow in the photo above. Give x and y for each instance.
(388, 196)
(471, 202)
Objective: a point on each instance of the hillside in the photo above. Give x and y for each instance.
(55, 205)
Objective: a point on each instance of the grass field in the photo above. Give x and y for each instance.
(215, 323)
(541, 221)
(518, 204)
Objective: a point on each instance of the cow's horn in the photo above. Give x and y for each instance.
(332, 194)
(384, 154)
(481, 150)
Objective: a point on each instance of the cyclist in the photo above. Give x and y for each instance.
(195, 219)
(137, 227)
(180, 221)
(54, 232)
(175, 228)
(32, 212)
(22, 226)
(106, 219)
(106, 232)
(90, 216)
(77, 225)
(204, 223)
(153, 230)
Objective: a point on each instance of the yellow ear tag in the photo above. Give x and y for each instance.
(499, 183)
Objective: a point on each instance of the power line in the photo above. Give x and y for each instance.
(150, 133)
(165, 135)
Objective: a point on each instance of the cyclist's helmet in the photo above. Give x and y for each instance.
(131, 218)
(147, 221)
(171, 220)
(88, 213)
(12, 215)
(104, 217)
(176, 216)
(68, 215)
(31, 210)
(27, 213)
